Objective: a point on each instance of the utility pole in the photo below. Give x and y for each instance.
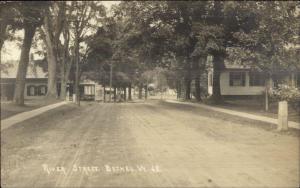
(110, 81)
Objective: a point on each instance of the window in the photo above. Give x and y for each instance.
(89, 90)
(256, 79)
(42, 90)
(237, 78)
(31, 90)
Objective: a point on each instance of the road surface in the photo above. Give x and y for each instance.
(153, 144)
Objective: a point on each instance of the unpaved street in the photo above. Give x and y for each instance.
(153, 144)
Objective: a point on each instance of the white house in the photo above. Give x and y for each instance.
(236, 80)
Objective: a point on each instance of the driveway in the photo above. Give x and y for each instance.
(153, 144)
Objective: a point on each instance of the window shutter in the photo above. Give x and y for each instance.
(243, 79)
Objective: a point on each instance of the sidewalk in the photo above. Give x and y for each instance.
(291, 124)
(6, 123)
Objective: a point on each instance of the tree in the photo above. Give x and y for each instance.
(53, 26)
(121, 42)
(265, 47)
(66, 61)
(102, 49)
(214, 25)
(156, 32)
(8, 15)
(30, 18)
(5, 10)
(85, 16)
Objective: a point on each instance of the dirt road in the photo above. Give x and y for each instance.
(153, 144)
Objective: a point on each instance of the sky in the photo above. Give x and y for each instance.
(11, 49)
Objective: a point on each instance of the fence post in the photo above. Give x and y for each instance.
(74, 98)
(282, 115)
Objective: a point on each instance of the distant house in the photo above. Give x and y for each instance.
(36, 85)
(237, 80)
(34, 88)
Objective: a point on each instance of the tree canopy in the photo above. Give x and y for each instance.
(135, 37)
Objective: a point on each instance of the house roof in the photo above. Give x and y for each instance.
(235, 65)
(32, 71)
(28, 80)
(229, 64)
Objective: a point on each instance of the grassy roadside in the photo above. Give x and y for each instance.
(255, 107)
(9, 109)
(228, 118)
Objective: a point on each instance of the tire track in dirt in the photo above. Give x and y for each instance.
(72, 130)
(89, 126)
(56, 146)
(99, 132)
(192, 150)
(31, 167)
(153, 124)
(263, 167)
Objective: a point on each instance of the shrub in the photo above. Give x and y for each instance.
(286, 92)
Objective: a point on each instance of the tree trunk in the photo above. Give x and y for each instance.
(187, 88)
(51, 59)
(129, 93)
(146, 92)
(267, 87)
(218, 63)
(3, 26)
(2, 36)
(23, 64)
(77, 65)
(196, 74)
(0, 54)
(115, 94)
(197, 88)
(266, 100)
(178, 89)
(65, 65)
(104, 94)
(125, 94)
(140, 91)
(187, 79)
(52, 90)
(63, 88)
(65, 72)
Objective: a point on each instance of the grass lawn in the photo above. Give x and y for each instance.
(257, 107)
(9, 109)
